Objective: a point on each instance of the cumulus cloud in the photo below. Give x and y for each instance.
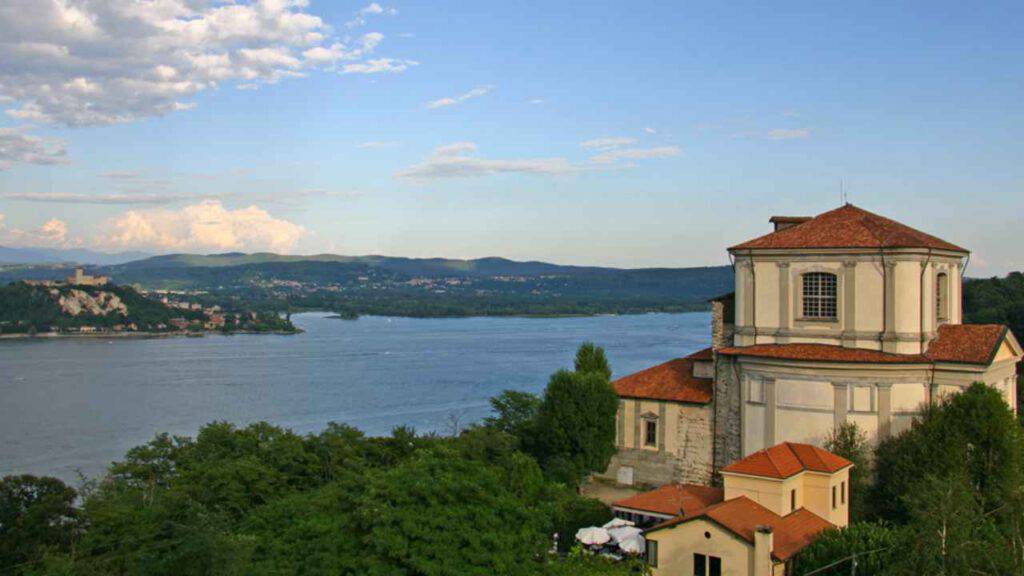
(16, 146)
(608, 143)
(109, 61)
(369, 10)
(52, 234)
(617, 154)
(788, 134)
(207, 225)
(453, 100)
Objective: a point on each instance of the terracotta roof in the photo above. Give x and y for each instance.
(967, 343)
(706, 354)
(742, 516)
(822, 352)
(786, 459)
(673, 499)
(848, 227)
(673, 380)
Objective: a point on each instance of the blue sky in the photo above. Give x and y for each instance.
(622, 134)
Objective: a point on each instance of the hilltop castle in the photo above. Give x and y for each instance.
(846, 316)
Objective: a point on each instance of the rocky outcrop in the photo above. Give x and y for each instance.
(74, 302)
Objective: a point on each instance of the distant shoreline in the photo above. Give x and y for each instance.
(142, 335)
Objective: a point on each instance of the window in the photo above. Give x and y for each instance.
(942, 297)
(652, 553)
(842, 492)
(792, 500)
(819, 295)
(714, 566)
(833, 497)
(706, 565)
(650, 432)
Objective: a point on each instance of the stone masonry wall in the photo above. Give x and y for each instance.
(690, 463)
(728, 421)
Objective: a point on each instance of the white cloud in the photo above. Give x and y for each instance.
(379, 144)
(607, 143)
(615, 155)
(465, 166)
(109, 61)
(536, 101)
(16, 146)
(453, 100)
(76, 198)
(207, 225)
(371, 9)
(53, 234)
(379, 65)
(788, 134)
(650, 130)
(455, 148)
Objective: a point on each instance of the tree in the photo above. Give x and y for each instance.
(576, 425)
(876, 545)
(591, 358)
(37, 515)
(436, 515)
(973, 432)
(847, 440)
(516, 414)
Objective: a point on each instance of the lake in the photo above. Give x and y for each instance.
(71, 405)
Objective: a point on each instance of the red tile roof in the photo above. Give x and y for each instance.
(742, 516)
(822, 352)
(706, 354)
(848, 227)
(967, 343)
(673, 380)
(786, 459)
(673, 499)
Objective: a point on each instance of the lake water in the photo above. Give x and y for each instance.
(74, 405)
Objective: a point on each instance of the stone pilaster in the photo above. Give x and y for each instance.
(840, 398)
(884, 411)
(889, 339)
(662, 425)
(849, 303)
(769, 412)
(785, 314)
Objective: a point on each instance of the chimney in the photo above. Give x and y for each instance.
(783, 222)
(763, 544)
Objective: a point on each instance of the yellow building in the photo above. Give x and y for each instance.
(774, 503)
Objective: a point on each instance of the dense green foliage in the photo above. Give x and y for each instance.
(262, 500)
(571, 429)
(953, 489)
(25, 308)
(996, 301)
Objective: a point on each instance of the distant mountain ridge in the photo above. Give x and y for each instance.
(10, 255)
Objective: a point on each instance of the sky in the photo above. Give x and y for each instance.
(625, 134)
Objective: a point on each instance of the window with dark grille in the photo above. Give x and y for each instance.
(819, 295)
(650, 432)
(652, 553)
(700, 565)
(714, 566)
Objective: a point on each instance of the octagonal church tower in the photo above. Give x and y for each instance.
(846, 316)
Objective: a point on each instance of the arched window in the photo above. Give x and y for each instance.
(819, 292)
(942, 297)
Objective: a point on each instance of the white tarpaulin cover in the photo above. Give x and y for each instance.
(623, 533)
(616, 523)
(633, 545)
(593, 536)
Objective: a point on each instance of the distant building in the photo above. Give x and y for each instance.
(82, 279)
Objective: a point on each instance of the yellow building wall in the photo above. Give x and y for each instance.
(818, 495)
(773, 494)
(678, 544)
(670, 422)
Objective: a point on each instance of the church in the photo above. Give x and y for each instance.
(844, 316)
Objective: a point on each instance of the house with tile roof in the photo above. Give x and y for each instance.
(844, 316)
(773, 504)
